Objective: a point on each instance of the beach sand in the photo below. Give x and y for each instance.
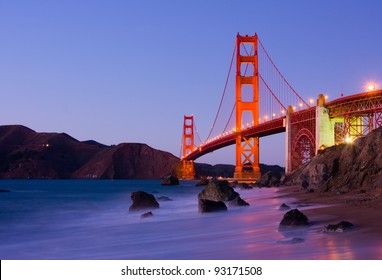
(363, 209)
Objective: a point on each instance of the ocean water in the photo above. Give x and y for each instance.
(89, 219)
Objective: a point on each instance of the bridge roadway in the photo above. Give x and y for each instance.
(366, 102)
(264, 129)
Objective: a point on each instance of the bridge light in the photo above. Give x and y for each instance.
(311, 101)
(300, 104)
(348, 139)
(371, 87)
(282, 112)
(265, 117)
(273, 115)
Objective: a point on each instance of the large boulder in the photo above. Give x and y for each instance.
(170, 180)
(218, 191)
(221, 191)
(293, 218)
(206, 206)
(143, 200)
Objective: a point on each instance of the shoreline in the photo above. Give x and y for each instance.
(364, 210)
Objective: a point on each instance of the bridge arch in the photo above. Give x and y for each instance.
(303, 148)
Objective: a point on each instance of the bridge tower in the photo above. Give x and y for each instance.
(247, 149)
(188, 170)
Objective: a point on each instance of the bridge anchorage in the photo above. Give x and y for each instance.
(266, 104)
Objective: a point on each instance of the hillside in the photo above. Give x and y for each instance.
(25, 153)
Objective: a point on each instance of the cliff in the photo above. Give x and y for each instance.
(344, 168)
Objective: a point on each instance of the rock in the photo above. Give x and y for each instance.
(164, 198)
(344, 168)
(294, 218)
(170, 180)
(269, 179)
(143, 200)
(284, 207)
(147, 215)
(340, 227)
(206, 206)
(202, 182)
(236, 202)
(218, 191)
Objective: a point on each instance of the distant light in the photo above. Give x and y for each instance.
(371, 87)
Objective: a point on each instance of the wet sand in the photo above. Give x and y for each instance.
(364, 210)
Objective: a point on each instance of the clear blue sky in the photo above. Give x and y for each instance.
(127, 71)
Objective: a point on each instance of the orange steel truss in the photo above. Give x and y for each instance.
(303, 126)
(361, 114)
(188, 170)
(247, 149)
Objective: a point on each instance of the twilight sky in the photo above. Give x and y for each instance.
(128, 71)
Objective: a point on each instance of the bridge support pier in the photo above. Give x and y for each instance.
(188, 170)
(247, 149)
(325, 126)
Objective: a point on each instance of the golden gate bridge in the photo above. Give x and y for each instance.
(261, 102)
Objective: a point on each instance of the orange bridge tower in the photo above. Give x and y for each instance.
(247, 80)
(188, 171)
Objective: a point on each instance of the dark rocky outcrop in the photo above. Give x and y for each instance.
(221, 191)
(269, 179)
(147, 215)
(143, 200)
(293, 218)
(170, 180)
(345, 167)
(218, 191)
(207, 206)
(340, 227)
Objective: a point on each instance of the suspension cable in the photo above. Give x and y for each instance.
(224, 91)
(281, 75)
